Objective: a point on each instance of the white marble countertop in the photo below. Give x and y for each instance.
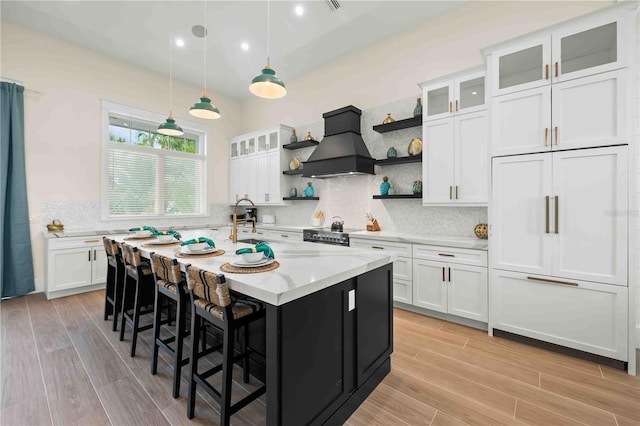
(458, 242)
(304, 267)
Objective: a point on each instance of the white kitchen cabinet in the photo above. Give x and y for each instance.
(578, 314)
(582, 113)
(455, 160)
(256, 166)
(74, 265)
(285, 236)
(402, 266)
(557, 214)
(586, 46)
(454, 283)
(454, 94)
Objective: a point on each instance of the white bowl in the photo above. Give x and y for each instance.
(197, 246)
(165, 238)
(143, 233)
(252, 257)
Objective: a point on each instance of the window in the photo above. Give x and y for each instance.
(146, 174)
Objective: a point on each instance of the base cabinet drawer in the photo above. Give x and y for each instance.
(400, 249)
(402, 291)
(582, 315)
(285, 236)
(403, 268)
(450, 255)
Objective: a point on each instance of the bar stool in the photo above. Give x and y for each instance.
(170, 284)
(137, 293)
(211, 300)
(115, 280)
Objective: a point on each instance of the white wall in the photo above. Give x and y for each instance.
(64, 88)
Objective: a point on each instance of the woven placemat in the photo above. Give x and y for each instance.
(139, 238)
(227, 267)
(161, 245)
(191, 255)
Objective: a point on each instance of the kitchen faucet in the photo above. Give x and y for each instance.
(234, 230)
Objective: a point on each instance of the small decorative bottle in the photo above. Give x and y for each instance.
(294, 137)
(417, 187)
(294, 192)
(308, 191)
(418, 109)
(392, 153)
(384, 186)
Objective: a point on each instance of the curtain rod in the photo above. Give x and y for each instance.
(12, 80)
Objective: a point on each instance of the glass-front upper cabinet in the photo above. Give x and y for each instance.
(455, 94)
(247, 145)
(234, 148)
(585, 47)
(262, 143)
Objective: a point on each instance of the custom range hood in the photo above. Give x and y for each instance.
(342, 151)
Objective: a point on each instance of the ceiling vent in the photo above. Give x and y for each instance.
(333, 5)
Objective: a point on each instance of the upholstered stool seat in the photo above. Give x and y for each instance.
(211, 300)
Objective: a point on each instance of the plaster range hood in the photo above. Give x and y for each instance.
(342, 151)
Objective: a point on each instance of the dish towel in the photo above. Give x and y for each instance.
(175, 234)
(263, 247)
(198, 241)
(144, 228)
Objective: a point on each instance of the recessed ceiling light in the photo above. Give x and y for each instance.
(474, 93)
(244, 46)
(179, 42)
(299, 10)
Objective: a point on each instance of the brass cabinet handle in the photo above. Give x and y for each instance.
(557, 202)
(555, 137)
(556, 72)
(456, 192)
(546, 72)
(456, 104)
(547, 280)
(91, 241)
(450, 192)
(450, 106)
(546, 202)
(546, 136)
(446, 255)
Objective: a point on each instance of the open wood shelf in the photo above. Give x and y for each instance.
(399, 160)
(399, 124)
(386, 197)
(300, 198)
(300, 144)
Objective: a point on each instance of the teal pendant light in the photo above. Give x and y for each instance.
(267, 85)
(169, 127)
(204, 108)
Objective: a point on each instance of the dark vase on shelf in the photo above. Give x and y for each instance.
(392, 153)
(294, 137)
(418, 109)
(417, 187)
(308, 191)
(384, 186)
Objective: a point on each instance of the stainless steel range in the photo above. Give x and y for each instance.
(327, 236)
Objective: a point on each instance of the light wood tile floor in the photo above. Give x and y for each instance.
(62, 364)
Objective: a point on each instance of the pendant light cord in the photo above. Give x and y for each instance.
(170, 73)
(268, 32)
(206, 33)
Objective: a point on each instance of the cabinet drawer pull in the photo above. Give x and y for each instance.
(557, 203)
(450, 106)
(284, 236)
(555, 137)
(446, 255)
(456, 192)
(456, 104)
(89, 259)
(546, 209)
(449, 274)
(546, 72)
(547, 280)
(443, 280)
(451, 192)
(546, 136)
(377, 247)
(556, 71)
(91, 241)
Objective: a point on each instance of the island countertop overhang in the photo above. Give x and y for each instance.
(305, 268)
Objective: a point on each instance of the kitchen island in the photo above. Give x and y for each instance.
(328, 332)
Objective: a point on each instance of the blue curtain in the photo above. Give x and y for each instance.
(16, 263)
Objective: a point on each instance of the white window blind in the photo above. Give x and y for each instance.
(152, 175)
